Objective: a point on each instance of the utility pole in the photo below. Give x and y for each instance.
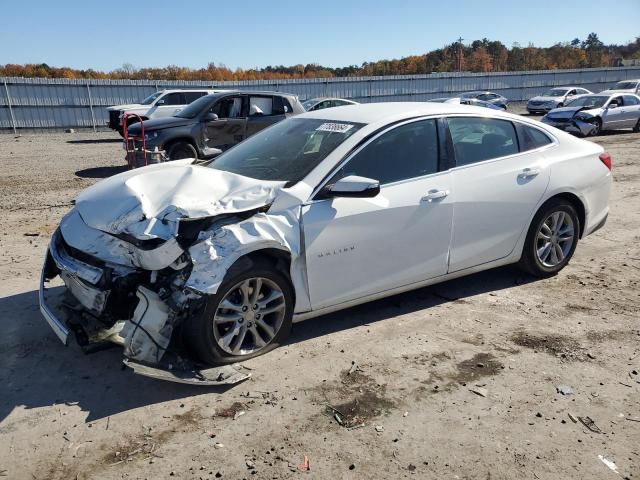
(460, 39)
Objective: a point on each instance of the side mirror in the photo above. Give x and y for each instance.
(353, 186)
(210, 117)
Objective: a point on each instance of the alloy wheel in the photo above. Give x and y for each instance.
(555, 239)
(249, 316)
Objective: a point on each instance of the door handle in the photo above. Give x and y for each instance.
(529, 172)
(435, 194)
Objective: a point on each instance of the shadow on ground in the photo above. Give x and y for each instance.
(101, 172)
(90, 141)
(36, 370)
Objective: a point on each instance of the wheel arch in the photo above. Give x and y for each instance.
(181, 139)
(575, 201)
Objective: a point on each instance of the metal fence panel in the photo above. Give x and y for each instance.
(41, 103)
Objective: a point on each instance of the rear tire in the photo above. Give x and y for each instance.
(551, 240)
(181, 150)
(636, 129)
(206, 332)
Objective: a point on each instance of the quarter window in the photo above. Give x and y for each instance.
(479, 139)
(408, 151)
(259, 106)
(531, 138)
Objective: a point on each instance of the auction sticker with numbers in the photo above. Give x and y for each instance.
(334, 127)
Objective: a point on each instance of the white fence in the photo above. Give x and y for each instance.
(40, 103)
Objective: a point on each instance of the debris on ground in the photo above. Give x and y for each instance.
(609, 463)
(573, 418)
(218, 445)
(564, 389)
(379, 428)
(232, 411)
(304, 466)
(590, 424)
(479, 391)
(633, 419)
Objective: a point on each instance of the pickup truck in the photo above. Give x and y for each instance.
(163, 103)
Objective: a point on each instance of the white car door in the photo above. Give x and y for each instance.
(361, 246)
(495, 187)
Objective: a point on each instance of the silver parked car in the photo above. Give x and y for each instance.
(325, 102)
(554, 98)
(489, 97)
(467, 101)
(591, 114)
(628, 86)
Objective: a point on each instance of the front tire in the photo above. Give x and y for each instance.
(636, 129)
(551, 240)
(251, 314)
(180, 150)
(597, 128)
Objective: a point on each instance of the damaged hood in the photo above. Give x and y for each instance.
(148, 202)
(568, 112)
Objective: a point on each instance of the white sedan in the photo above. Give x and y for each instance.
(320, 212)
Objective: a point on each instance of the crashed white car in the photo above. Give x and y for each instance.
(317, 213)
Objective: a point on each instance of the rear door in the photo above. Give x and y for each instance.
(496, 184)
(230, 127)
(264, 110)
(631, 110)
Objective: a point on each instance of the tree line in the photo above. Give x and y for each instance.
(478, 56)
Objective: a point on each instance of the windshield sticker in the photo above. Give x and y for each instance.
(334, 127)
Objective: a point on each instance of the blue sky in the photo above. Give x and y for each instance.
(105, 34)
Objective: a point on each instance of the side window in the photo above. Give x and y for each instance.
(572, 92)
(405, 152)
(485, 97)
(230, 107)
(175, 98)
(531, 138)
(259, 106)
(629, 100)
(617, 101)
(321, 105)
(281, 106)
(479, 139)
(192, 96)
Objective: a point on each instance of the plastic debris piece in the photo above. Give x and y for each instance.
(479, 391)
(609, 463)
(590, 424)
(304, 466)
(564, 389)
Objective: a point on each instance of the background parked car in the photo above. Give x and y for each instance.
(591, 114)
(160, 104)
(490, 97)
(467, 101)
(629, 86)
(325, 102)
(215, 123)
(554, 98)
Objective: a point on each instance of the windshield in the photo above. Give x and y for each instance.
(625, 85)
(149, 100)
(593, 102)
(194, 108)
(555, 92)
(307, 104)
(287, 151)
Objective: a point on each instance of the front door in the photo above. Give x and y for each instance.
(361, 246)
(229, 129)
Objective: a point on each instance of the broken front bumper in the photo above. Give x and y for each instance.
(572, 126)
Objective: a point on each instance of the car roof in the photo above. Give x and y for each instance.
(212, 90)
(369, 113)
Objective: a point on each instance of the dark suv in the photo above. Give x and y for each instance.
(215, 123)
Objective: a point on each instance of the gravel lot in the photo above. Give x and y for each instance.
(404, 367)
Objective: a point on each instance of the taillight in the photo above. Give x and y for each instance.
(606, 159)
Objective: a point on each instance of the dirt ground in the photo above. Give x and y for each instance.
(385, 390)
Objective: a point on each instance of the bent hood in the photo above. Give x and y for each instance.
(568, 111)
(148, 202)
(128, 106)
